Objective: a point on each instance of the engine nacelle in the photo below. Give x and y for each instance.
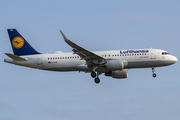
(119, 74)
(116, 64)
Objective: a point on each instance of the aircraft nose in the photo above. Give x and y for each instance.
(174, 59)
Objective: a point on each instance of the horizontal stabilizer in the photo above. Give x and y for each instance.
(15, 57)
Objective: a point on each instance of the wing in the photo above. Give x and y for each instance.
(85, 54)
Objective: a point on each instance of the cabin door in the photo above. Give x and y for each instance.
(153, 54)
(39, 60)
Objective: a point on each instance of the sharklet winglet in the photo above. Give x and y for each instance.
(64, 36)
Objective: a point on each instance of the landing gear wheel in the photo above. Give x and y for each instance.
(154, 75)
(97, 80)
(93, 74)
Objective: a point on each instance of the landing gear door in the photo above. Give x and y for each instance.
(39, 60)
(153, 54)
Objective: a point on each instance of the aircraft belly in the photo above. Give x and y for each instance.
(146, 64)
(62, 65)
(62, 69)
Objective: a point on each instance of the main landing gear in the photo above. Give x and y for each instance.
(93, 75)
(97, 80)
(154, 74)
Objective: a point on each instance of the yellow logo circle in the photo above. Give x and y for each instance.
(18, 42)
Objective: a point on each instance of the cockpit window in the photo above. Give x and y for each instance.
(165, 53)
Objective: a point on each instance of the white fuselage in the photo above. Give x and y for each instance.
(72, 62)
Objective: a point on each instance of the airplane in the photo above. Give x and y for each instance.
(114, 63)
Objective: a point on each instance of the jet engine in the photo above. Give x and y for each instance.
(116, 64)
(119, 74)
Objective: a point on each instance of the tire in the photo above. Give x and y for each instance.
(97, 80)
(93, 74)
(154, 75)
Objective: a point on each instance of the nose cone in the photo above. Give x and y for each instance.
(174, 59)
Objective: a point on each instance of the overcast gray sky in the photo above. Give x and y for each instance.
(31, 94)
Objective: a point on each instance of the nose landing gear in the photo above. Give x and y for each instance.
(154, 74)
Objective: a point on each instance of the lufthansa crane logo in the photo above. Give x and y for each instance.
(18, 42)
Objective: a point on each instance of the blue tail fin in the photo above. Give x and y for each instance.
(19, 44)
